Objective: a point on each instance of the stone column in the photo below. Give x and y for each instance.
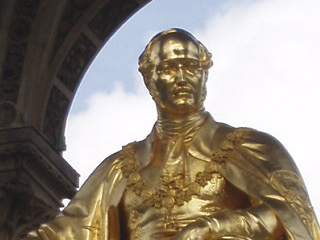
(33, 181)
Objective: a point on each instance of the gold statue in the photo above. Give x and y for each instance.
(191, 178)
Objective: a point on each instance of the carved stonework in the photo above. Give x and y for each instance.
(33, 176)
(8, 114)
(19, 31)
(33, 181)
(56, 112)
(76, 62)
(111, 16)
(15, 53)
(20, 209)
(74, 9)
(3, 7)
(11, 72)
(81, 4)
(27, 8)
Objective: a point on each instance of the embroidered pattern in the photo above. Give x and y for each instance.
(165, 197)
(291, 187)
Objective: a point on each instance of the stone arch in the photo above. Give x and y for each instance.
(45, 49)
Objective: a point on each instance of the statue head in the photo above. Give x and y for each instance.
(175, 67)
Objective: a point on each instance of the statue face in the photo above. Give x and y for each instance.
(178, 77)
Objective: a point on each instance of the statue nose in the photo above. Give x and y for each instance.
(180, 78)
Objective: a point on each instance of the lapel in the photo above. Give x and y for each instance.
(206, 140)
(143, 150)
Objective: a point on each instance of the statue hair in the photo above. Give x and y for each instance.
(146, 65)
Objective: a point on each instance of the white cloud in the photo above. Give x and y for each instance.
(265, 76)
(110, 122)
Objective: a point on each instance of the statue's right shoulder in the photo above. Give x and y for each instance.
(113, 163)
(101, 184)
(88, 210)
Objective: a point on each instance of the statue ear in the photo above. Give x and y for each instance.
(154, 93)
(147, 72)
(205, 57)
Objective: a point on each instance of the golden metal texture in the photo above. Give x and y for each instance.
(191, 178)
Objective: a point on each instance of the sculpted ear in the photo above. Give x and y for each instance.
(147, 74)
(205, 57)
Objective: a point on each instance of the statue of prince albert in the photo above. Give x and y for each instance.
(192, 177)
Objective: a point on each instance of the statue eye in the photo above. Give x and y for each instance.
(167, 70)
(192, 68)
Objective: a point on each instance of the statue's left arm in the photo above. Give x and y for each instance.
(259, 165)
(269, 174)
(255, 223)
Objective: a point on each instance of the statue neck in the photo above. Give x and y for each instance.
(168, 128)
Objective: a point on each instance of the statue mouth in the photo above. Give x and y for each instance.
(183, 91)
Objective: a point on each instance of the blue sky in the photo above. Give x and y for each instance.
(266, 76)
(116, 64)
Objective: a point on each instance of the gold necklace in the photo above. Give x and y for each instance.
(160, 198)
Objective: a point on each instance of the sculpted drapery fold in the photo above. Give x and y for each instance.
(246, 162)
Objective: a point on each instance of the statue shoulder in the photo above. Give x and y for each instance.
(112, 165)
(269, 148)
(245, 134)
(255, 145)
(102, 182)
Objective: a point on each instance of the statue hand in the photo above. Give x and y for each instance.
(198, 230)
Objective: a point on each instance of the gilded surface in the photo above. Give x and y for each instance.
(191, 178)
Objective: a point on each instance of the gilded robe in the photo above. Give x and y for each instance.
(254, 162)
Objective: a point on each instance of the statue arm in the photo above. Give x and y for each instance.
(287, 194)
(271, 176)
(258, 222)
(80, 220)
